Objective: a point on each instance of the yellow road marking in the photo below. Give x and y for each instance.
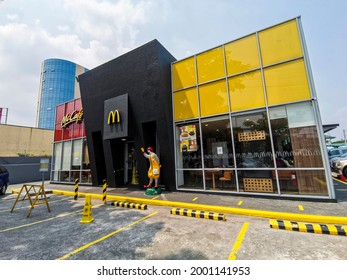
(340, 181)
(301, 208)
(155, 197)
(104, 237)
(47, 220)
(98, 205)
(30, 206)
(238, 242)
(194, 199)
(344, 190)
(240, 202)
(11, 197)
(43, 221)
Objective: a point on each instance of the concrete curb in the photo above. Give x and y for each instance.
(129, 205)
(312, 228)
(198, 214)
(221, 209)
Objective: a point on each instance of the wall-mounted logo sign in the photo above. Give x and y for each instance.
(112, 117)
(116, 117)
(76, 116)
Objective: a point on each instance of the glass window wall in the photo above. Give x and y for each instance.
(71, 161)
(184, 74)
(280, 43)
(258, 124)
(217, 144)
(241, 155)
(188, 142)
(57, 155)
(186, 104)
(210, 65)
(246, 91)
(242, 55)
(76, 154)
(286, 83)
(86, 176)
(188, 156)
(252, 140)
(296, 145)
(213, 98)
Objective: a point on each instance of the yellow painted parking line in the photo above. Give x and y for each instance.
(39, 222)
(47, 220)
(11, 197)
(340, 181)
(301, 208)
(98, 205)
(195, 199)
(240, 202)
(155, 197)
(30, 206)
(238, 242)
(104, 237)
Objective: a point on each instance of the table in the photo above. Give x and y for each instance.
(213, 174)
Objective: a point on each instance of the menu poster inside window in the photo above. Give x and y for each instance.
(188, 138)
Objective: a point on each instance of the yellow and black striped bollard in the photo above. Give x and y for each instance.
(104, 187)
(76, 189)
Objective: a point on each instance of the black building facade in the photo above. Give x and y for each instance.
(127, 105)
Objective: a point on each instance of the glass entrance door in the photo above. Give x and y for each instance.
(130, 168)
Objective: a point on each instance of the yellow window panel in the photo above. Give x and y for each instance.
(246, 91)
(242, 55)
(186, 104)
(280, 43)
(287, 83)
(184, 74)
(210, 65)
(213, 98)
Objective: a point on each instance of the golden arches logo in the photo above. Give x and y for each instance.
(112, 117)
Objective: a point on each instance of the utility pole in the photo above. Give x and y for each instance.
(344, 136)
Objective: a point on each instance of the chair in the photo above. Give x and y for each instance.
(208, 176)
(227, 175)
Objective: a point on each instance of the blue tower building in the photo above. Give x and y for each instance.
(58, 85)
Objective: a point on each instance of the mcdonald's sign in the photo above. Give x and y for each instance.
(112, 117)
(115, 120)
(76, 116)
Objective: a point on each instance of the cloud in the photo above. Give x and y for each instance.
(115, 25)
(12, 16)
(97, 31)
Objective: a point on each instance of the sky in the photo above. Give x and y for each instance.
(92, 32)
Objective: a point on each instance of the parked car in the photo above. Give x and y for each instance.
(337, 152)
(4, 180)
(339, 164)
(333, 161)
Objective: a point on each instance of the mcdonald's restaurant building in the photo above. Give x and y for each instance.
(241, 118)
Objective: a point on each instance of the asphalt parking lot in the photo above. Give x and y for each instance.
(119, 233)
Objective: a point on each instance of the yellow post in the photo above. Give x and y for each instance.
(134, 177)
(87, 216)
(104, 187)
(76, 189)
